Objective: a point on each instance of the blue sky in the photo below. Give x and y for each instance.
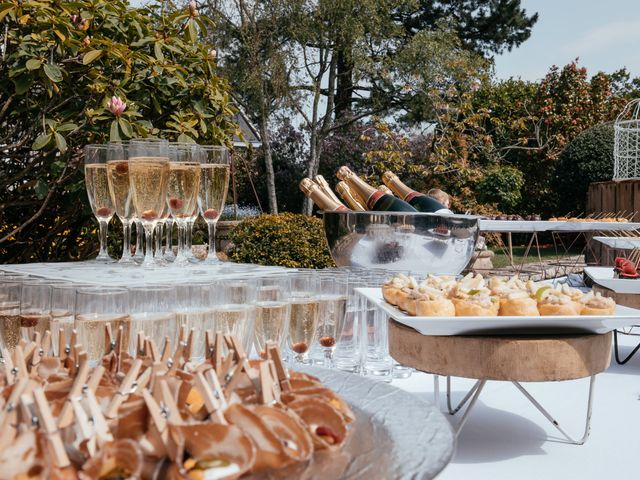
(605, 35)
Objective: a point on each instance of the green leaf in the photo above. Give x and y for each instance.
(192, 33)
(158, 51)
(114, 135)
(22, 83)
(33, 64)
(91, 56)
(126, 128)
(5, 9)
(53, 72)
(60, 35)
(61, 143)
(41, 189)
(184, 138)
(66, 127)
(41, 141)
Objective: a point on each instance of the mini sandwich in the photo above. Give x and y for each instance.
(472, 298)
(431, 302)
(553, 302)
(392, 287)
(574, 294)
(596, 304)
(404, 297)
(518, 303)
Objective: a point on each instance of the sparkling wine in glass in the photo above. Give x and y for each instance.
(234, 312)
(94, 308)
(97, 185)
(149, 180)
(303, 319)
(151, 310)
(332, 303)
(10, 324)
(35, 307)
(120, 191)
(214, 186)
(182, 192)
(272, 311)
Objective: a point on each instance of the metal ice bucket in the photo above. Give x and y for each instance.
(400, 241)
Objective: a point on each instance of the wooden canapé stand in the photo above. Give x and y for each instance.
(523, 358)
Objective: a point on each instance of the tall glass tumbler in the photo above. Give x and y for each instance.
(97, 185)
(235, 312)
(304, 315)
(332, 312)
(149, 180)
(10, 324)
(151, 311)
(63, 299)
(94, 308)
(195, 310)
(214, 186)
(272, 311)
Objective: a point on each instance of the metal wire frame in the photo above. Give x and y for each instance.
(472, 395)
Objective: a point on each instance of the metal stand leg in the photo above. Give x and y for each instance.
(436, 390)
(453, 411)
(616, 352)
(478, 390)
(554, 422)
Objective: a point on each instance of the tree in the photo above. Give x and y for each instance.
(254, 36)
(62, 62)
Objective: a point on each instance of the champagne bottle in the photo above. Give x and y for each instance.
(323, 201)
(375, 199)
(324, 186)
(347, 195)
(419, 201)
(385, 189)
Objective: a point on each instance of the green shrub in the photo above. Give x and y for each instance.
(61, 64)
(285, 240)
(501, 185)
(588, 158)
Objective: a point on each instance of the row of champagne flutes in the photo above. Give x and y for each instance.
(154, 184)
(301, 311)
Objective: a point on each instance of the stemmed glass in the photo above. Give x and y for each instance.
(182, 192)
(118, 180)
(168, 250)
(158, 255)
(272, 311)
(138, 256)
(149, 180)
(95, 177)
(213, 192)
(151, 312)
(303, 319)
(332, 310)
(94, 308)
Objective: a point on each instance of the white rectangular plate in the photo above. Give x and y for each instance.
(443, 326)
(603, 276)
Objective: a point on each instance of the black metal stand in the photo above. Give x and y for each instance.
(615, 349)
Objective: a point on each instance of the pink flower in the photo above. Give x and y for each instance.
(212, 53)
(193, 8)
(116, 106)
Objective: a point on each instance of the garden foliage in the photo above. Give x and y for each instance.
(61, 64)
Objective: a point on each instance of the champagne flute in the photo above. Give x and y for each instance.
(118, 181)
(138, 256)
(182, 192)
(95, 177)
(168, 250)
(151, 312)
(158, 256)
(149, 179)
(213, 192)
(94, 308)
(235, 312)
(272, 311)
(332, 310)
(303, 319)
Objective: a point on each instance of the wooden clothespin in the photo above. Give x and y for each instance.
(66, 414)
(169, 403)
(28, 418)
(49, 425)
(7, 364)
(19, 369)
(124, 390)
(212, 405)
(281, 369)
(188, 350)
(83, 424)
(45, 346)
(109, 340)
(216, 358)
(160, 422)
(9, 409)
(62, 346)
(100, 425)
(144, 379)
(140, 351)
(166, 350)
(152, 349)
(30, 348)
(176, 361)
(266, 384)
(224, 372)
(214, 383)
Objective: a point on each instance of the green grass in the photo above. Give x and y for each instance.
(500, 260)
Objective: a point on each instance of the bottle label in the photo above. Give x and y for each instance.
(373, 198)
(413, 194)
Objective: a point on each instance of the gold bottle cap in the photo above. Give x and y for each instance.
(307, 186)
(388, 175)
(344, 172)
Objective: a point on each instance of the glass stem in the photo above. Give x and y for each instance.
(148, 254)
(103, 239)
(158, 240)
(181, 239)
(328, 358)
(211, 226)
(139, 235)
(169, 228)
(126, 239)
(187, 243)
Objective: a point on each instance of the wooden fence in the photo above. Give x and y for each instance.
(615, 196)
(611, 197)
